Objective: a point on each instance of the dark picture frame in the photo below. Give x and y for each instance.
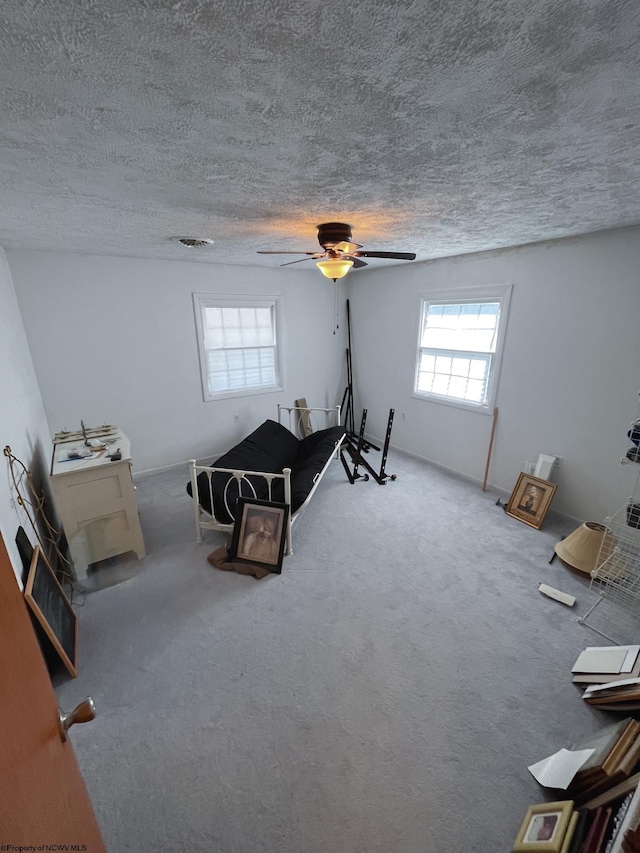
(259, 533)
(531, 499)
(51, 607)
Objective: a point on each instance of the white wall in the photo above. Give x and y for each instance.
(113, 341)
(23, 426)
(570, 374)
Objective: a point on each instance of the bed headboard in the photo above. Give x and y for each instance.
(294, 418)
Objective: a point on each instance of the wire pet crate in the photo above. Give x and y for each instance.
(616, 577)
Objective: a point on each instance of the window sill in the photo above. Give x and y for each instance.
(480, 408)
(243, 392)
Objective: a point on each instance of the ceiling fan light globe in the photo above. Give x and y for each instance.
(334, 268)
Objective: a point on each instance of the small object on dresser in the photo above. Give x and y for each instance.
(75, 454)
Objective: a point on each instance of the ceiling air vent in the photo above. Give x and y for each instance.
(194, 242)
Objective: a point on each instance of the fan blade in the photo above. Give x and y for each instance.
(288, 263)
(271, 252)
(400, 256)
(347, 247)
(357, 263)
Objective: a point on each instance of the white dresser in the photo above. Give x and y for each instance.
(95, 496)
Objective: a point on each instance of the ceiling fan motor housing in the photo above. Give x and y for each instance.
(332, 233)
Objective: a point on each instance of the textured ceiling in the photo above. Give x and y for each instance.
(434, 126)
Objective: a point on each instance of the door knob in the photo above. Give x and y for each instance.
(82, 713)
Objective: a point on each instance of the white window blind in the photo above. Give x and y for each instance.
(238, 346)
(459, 349)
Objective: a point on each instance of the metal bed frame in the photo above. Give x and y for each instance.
(205, 521)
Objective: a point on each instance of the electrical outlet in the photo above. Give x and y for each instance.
(236, 418)
(404, 416)
(558, 462)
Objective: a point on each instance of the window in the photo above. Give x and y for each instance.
(238, 348)
(460, 347)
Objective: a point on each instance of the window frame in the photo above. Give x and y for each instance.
(214, 300)
(497, 293)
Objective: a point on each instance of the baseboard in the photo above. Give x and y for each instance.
(145, 471)
(560, 518)
(461, 474)
(206, 460)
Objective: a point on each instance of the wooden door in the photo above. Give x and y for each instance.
(43, 799)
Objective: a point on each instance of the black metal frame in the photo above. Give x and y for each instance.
(347, 406)
(356, 444)
(356, 450)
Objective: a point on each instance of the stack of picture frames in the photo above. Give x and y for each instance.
(601, 812)
(610, 825)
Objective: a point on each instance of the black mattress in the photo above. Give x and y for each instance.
(269, 448)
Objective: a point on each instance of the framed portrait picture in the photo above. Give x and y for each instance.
(544, 828)
(259, 533)
(530, 499)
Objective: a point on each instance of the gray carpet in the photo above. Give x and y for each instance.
(385, 693)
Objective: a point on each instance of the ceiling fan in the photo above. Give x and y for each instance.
(340, 253)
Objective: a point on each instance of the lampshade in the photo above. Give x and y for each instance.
(334, 268)
(580, 549)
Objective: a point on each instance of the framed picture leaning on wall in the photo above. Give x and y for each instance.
(530, 500)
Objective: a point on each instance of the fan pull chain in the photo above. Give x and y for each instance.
(335, 307)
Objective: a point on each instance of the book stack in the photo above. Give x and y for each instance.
(606, 664)
(610, 823)
(615, 757)
(591, 829)
(601, 791)
(616, 696)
